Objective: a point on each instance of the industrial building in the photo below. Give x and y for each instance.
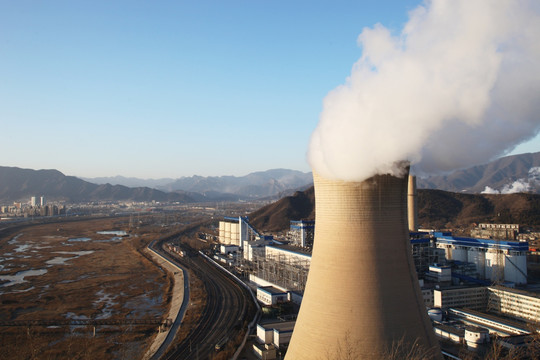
(495, 260)
(272, 336)
(269, 295)
(301, 233)
(497, 325)
(475, 297)
(515, 303)
(281, 266)
(236, 231)
(496, 231)
(366, 240)
(288, 254)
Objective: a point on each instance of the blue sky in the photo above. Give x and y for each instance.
(156, 89)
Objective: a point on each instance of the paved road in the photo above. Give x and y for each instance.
(177, 308)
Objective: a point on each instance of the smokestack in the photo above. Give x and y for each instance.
(412, 205)
(362, 295)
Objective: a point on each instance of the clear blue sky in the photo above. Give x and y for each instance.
(156, 89)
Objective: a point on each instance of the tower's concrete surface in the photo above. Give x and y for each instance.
(362, 295)
(412, 204)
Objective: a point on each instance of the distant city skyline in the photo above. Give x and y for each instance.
(171, 89)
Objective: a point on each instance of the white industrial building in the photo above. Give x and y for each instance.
(269, 295)
(239, 232)
(288, 254)
(514, 303)
(462, 297)
(494, 324)
(301, 233)
(517, 304)
(276, 333)
(495, 260)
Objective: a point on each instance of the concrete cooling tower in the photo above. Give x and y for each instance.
(362, 297)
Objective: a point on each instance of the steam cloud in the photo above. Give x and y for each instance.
(520, 185)
(459, 86)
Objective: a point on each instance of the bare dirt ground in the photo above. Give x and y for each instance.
(69, 271)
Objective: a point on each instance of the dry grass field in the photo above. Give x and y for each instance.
(70, 271)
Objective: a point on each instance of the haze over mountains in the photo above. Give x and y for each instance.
(518, 173)
(510, 174)
(254, 185)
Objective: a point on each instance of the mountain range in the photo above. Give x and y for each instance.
(254, 185)
(511, 174)
(20, 184)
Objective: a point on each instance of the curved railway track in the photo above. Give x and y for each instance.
(227, 306)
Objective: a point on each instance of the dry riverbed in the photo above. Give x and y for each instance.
(78, 270)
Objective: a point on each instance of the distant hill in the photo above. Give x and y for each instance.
(276, 217)
(436, 209)
(254, 185)
(510, 174)
(263, 184)
(20, 184)
(129, 181)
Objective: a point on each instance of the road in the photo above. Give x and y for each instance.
(228, 305)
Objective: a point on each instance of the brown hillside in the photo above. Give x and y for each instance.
(437, 209)
(276, 216)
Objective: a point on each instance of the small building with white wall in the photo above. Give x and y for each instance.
(269, 295)
(276, 333)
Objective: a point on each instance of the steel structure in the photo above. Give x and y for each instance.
(286, 272)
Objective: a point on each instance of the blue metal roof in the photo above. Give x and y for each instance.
(446, 237)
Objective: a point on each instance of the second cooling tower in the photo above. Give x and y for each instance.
(362, 296)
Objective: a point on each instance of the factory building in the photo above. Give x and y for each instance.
(494, 324)
(229, 232)
(282, 266)
(288, 254)
(269, 295)
(495, 260)
(475, 298)
(272, 336)
(515, 303)
(238, 231)
(301, 233)
(424, 252)
(496, 231)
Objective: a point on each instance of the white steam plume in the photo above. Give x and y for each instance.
(457, 87)
(532, 182)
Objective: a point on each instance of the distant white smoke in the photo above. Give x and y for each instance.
(520, 185)
(458, 86)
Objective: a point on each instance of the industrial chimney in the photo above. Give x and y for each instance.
(362, 296)
(412, 205)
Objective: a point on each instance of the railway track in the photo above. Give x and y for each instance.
(227, 306)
